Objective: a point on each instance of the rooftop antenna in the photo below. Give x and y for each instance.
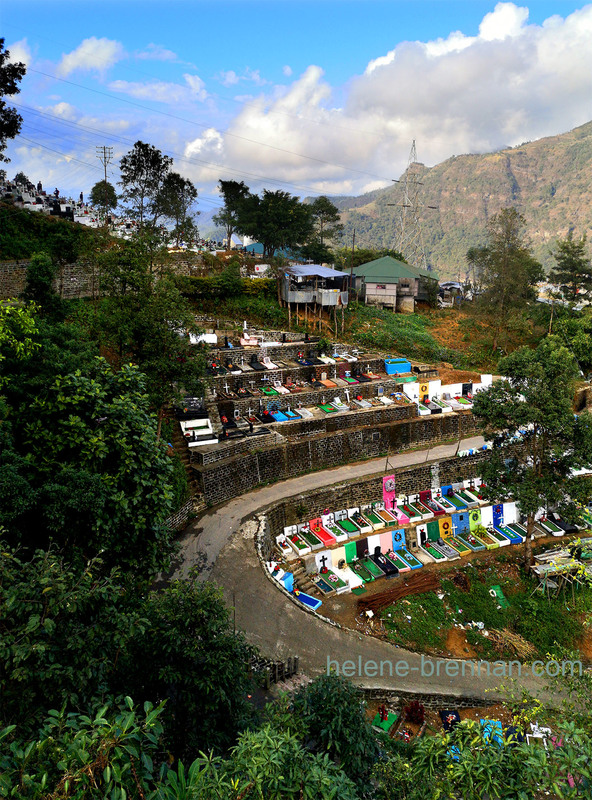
(408, 233)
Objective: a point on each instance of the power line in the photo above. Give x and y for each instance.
(204, 126)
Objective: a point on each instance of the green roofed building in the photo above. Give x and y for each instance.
(389, 283)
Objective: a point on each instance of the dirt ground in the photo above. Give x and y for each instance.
(449, 375)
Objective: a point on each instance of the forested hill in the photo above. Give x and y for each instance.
(549, 181)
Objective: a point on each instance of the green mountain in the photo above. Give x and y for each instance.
(549, 181)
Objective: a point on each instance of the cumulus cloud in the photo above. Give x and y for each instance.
(513, 81)
(91, 55)
(164, 91)
(20, 52)
(156, 52)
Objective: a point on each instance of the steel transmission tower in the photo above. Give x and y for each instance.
(408, 235)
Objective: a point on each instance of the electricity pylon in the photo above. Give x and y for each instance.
(408, 234)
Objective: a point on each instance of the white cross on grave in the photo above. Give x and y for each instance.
(226, 387)
(454, 527)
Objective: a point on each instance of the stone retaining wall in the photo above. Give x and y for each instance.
(409, 480)
(433, 701)
(231, 477)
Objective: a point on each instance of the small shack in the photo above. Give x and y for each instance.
(312, 289)
(389, 283)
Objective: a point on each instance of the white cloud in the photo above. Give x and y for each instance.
(20, 51)
(164, 91)
(93, 54)
(156, 52)
(513, 81)
(287, 70)
(210, 143)
(231, 78)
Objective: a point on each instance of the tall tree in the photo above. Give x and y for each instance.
(326, 220)
(509, 270)
(537, 440)
(233, 193)
(143, 171)
(175, 200)
(144, 318)
(10, 119)
(276, 219)
(572, 272)
(104, 197)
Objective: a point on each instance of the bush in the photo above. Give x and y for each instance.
(414, 713)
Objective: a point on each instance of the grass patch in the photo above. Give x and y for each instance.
(546, 624)
(427, 628)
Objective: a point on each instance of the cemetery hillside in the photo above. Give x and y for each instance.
(295, 504)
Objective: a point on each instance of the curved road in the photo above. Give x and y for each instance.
(225, 553)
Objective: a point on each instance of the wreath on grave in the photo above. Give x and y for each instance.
(445, 525)
(389, 485)
(333, 578)
(497, 509)
(475, 516)
(398, 537)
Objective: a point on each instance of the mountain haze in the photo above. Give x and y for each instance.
(548, 181)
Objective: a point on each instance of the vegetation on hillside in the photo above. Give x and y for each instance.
(548, 180)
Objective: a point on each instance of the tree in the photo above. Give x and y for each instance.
(333, 714)
(111, 751)
(233, 193)
(196, 661)
(344, 258)
(509, 271)
(327, 228)
(572, 272)
(10, 119)
(102, 481)
(276, 219)
(145, 319)
(143, 170)
(62, 630)
(18, 328)
(537, 440)
(39, 289)
(104, 197)
(176, 198)
(21, 179)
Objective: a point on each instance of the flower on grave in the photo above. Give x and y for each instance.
(333, 578)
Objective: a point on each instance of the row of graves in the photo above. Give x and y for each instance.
(255, 382)
(346, 549)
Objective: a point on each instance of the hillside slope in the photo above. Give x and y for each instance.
(548, 181)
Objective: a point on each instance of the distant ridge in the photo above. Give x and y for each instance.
(549, 181)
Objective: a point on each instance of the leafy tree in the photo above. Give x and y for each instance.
(196, 662)
(332, 711)
(143, 170)
(233, 193)
(276, 219)
(10, 77)
(109, 752)
(39, 286)
(175, 200)
(572, 272)
(61, 632)
(103, 482)
(509, 271)
(21, 179)
(327, 228)
(104, 196)
(18, 328)
(144, 318)
(537, 440)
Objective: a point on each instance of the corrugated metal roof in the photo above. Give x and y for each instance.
(389, 270)
(305, 270)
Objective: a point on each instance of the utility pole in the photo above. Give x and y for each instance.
(351, 262)
(105, 156)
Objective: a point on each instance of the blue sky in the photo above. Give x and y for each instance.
(316, 96)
